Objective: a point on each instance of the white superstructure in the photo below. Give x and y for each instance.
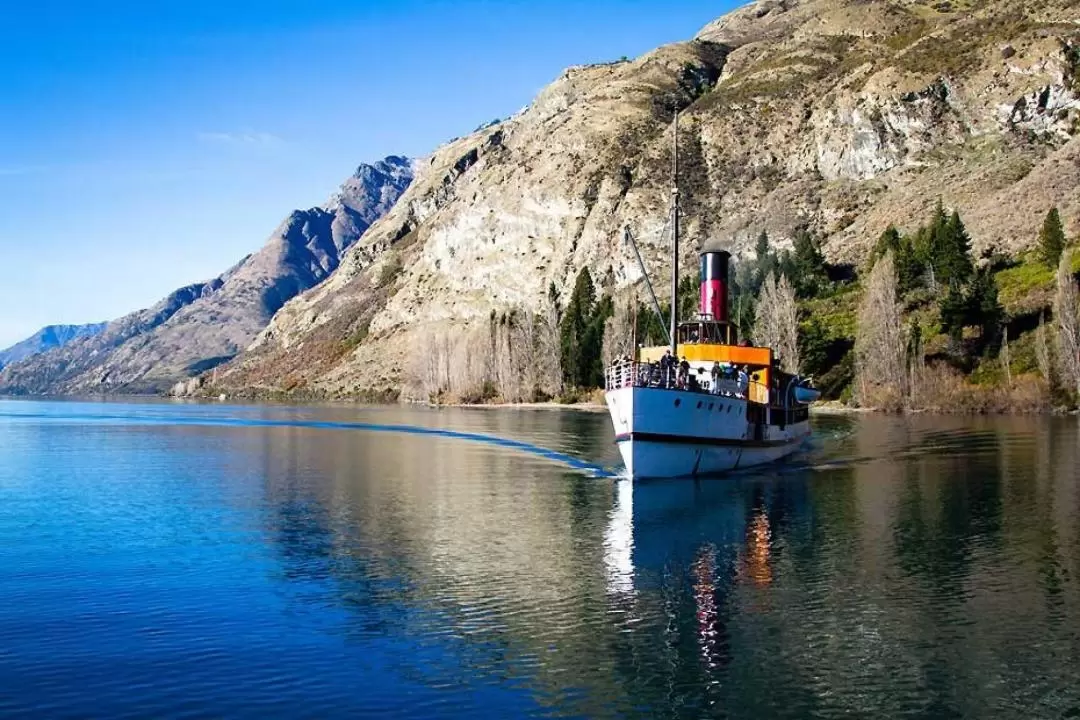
(668, 432)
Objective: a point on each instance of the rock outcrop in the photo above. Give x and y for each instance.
(198, 327)
(45, 339)
(837, 116)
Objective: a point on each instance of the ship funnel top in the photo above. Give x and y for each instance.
(714, 284)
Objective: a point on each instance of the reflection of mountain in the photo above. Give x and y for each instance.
(891, 587)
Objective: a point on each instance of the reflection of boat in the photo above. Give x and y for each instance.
(669, 521)
(706, 403)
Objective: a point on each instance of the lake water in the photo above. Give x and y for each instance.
(190, 561)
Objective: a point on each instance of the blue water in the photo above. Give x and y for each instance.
(171, 560)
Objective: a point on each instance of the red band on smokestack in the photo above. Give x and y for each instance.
(714, 285)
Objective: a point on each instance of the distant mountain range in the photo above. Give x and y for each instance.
(45, 339)
(200, 326)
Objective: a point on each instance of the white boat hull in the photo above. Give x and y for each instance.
(671, 433)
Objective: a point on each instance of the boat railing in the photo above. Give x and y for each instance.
(628, 374)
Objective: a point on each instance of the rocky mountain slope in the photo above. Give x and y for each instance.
(840, 116)
(45, 339)
(200, 326)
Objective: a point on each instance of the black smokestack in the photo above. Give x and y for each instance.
(714, 284)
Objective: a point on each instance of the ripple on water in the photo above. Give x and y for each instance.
(184, 561)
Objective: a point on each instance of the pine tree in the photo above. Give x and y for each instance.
(889, 240)
(984, 309)
(808, 265)
(767, 262)
(1052, 238)
(952, 252)
(908, 266)
(931, 237)
(954, 314)
(761, 247)
(573, 330)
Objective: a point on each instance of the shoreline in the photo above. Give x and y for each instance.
(824, 408)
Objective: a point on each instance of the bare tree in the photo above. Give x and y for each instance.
(787, 320)
(916, 360)
(507, 376)
(1067, 319)
(548, 359)
(430, 369)
(879, 339)
(525, 339)
(619, 331)
(1006, 359)
(1042, 352)
(766, 333)
(776, 321)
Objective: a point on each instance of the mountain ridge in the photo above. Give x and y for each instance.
(47, 338)
(840, 118)
(200, 326)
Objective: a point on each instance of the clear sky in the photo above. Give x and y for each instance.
(148, 145)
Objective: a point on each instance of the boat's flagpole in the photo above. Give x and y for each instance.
(675, 243)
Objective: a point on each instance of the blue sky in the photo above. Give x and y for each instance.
(148, 145)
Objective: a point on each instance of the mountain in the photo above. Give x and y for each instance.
(200, 326)
(837, 116)
(47, 338)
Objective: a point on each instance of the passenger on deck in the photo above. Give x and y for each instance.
(667, 368)
(715, 374)
(744, 381)
(684, 373)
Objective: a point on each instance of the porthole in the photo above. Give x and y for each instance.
(678, 402)
(699, 405)
(711, 406)
(729, 408)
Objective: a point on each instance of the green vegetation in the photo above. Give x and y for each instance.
(1027, 286)
(1052, 238)
(581, 334)
(967, 328)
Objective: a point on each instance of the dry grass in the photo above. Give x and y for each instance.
(942, 389)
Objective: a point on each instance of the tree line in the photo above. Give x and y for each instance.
(915, 288)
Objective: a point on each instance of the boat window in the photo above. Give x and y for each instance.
(678, 402)
(699, 405)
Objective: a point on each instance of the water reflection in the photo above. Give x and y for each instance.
(904, 567)
(619, 541)
(856, 589)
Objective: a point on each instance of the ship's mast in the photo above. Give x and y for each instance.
(675, 242)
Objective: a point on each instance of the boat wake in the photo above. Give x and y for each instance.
(569, 461)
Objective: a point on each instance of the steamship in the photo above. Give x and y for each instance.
(674, 415)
